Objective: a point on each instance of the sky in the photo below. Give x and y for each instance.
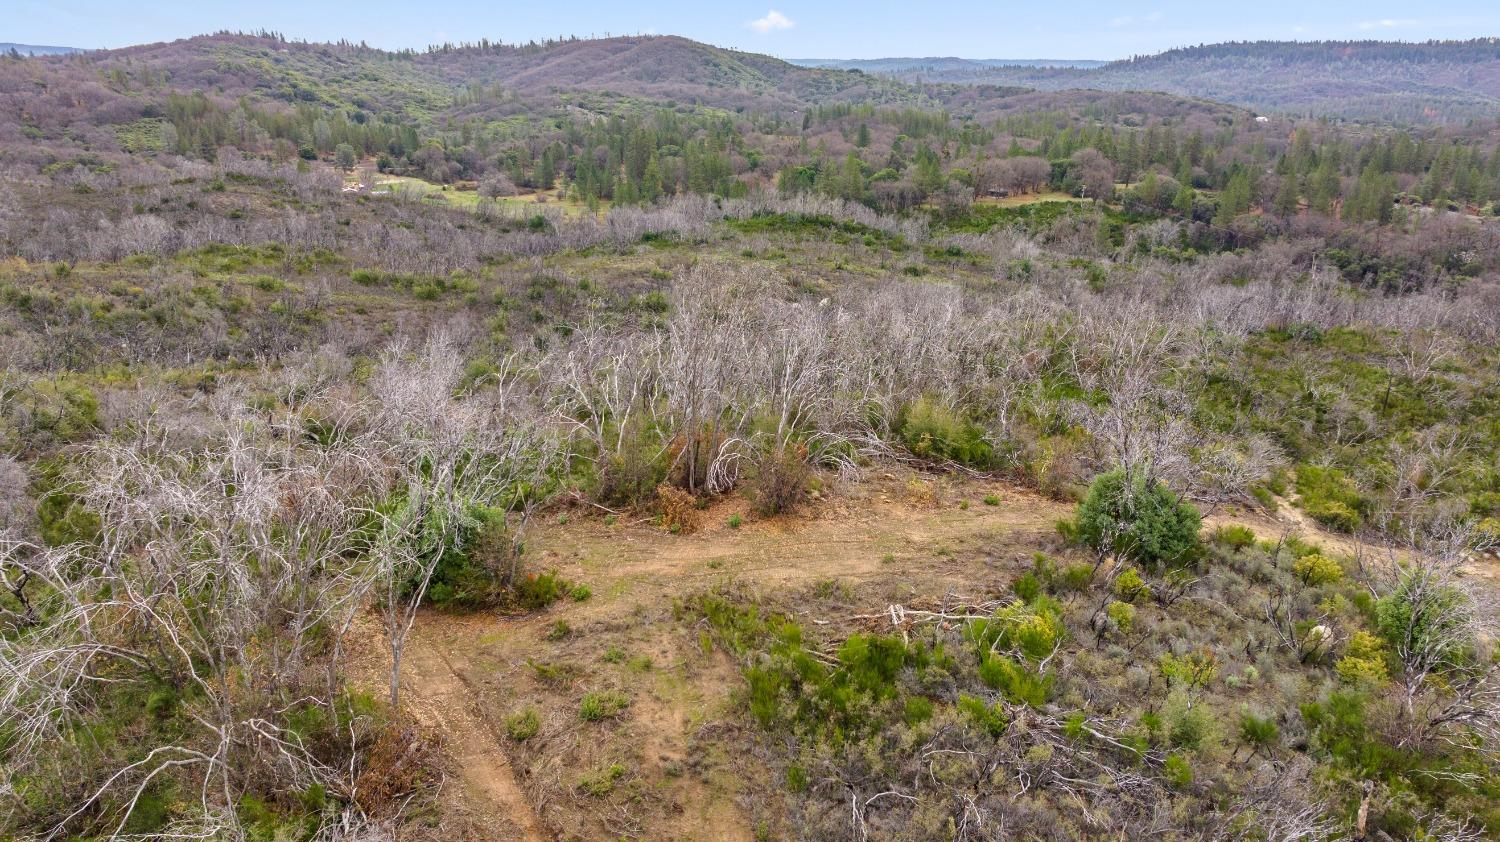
(1081, 29)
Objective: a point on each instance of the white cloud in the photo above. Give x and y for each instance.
(1123, 20)
(1386, 23)
(773, 21)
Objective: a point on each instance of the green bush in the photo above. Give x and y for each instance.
(1147, 524)
(1033, 629)
(523, 725)
(602, 705)
(1420, 617)
(1177, 770)
(1260, 733)
(1028, 587)
(1316, 569)
(1187, 726)
(1328, 496)
(1364, 661)
(796, 778)
(474, 570)
(1019, 684)
(1130, 587)
(601, 782)
(1077, 577)
(1334, 515)
(1234, 537)
(990, 718)
(931, 430)
(1122, 614)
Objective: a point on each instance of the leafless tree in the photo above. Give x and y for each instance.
(1434, 617)
(449, 451)
(214, 569)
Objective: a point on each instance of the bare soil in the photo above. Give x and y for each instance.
(659, 769)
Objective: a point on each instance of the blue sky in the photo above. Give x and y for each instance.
(832, 29)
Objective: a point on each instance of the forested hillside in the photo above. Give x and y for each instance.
(1433, 82)
(613, 439)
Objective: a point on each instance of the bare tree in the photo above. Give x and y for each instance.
(1434, 618)
(449, 452)
(214, 569)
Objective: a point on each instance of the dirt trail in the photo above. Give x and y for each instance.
(441, 700)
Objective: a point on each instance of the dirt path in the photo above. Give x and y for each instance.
(441, 700)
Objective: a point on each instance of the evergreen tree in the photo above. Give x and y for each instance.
(1285, 203)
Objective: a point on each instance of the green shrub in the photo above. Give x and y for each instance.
(56, 410)
(989, 718)
(1334, 514)
(601, 782)
(1077, 577)
(1192, 671)
(1329, 496)
(1032, 629)
(1316, 570)
(523, 724)
(1424, 618)
(1234, 537)
(472, 572)
(1130, 587)
(1122, 614)
(1019, 684)
(1147, 524)
(1177, 770)
(931, 430)
(796, 778)
(1260, 733)
(1028, 587)
(536, 591)
(991, 500)
(918, 710)
(602, 704)
(1187, 726)
(1364, 661)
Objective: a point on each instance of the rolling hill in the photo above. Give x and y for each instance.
(945, 64)
(1439, 81)
(48, 98)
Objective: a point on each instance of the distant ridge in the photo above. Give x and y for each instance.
(904, 65)
(1399, 81)
(37, 49)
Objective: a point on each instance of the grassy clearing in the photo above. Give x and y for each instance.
(470, 200)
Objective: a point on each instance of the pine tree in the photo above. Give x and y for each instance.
(1285, 203)
(1187, 197)
(1234, 200)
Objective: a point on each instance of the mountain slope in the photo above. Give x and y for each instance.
(1446, 81)
(48, 98)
